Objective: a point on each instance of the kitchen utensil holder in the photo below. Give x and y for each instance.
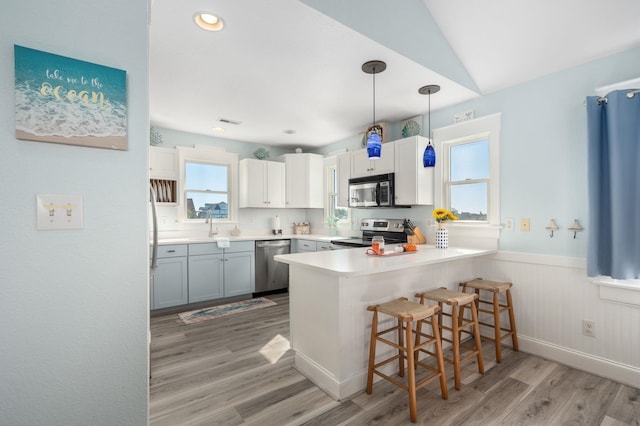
(417, 237)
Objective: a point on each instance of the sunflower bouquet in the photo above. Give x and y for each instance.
(443, 215)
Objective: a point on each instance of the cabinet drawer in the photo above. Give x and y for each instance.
(239, 246)
(172, 250)
(305, 245)
(322, 246)
(204, 248)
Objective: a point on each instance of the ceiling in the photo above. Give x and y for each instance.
(289, 71)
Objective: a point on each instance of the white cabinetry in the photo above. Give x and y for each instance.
(413, 182)
(262, 183)
(343, 167)
(163, 173)
(362, 166)
(304, 176)
(163, 163)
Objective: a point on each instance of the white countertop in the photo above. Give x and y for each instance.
(355, 262)
(204, 238)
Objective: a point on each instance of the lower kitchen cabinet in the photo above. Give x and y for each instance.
(190, 273)
(169, 284)
(239, 275)
(206, 272)
(305, 245)
(215, 272)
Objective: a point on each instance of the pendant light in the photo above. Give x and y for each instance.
(374, 143)
(429, 157)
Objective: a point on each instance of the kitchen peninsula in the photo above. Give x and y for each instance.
(330, 291)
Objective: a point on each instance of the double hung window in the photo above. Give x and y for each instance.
(467, 175)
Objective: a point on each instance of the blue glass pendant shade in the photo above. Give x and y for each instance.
(374, 146)
(429, 157)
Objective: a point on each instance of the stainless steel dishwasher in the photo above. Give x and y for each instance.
(271, 275)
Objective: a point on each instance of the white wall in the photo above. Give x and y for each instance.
(74, 304)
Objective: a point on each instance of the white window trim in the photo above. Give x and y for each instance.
(330, 163)
(212, 156)
(485, 127)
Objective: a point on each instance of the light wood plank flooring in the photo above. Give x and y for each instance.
(237, 370)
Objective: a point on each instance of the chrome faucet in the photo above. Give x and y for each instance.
(209, 220)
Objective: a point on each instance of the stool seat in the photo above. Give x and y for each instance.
(459, 324)
(404, 309)
(406, 313)
(495, 308)
(494, 286)
(450, 297)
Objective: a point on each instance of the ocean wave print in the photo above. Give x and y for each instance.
(42, 114)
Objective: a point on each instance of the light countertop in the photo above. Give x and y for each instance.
(204, 238)
(355, 262)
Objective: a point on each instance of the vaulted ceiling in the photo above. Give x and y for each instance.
(289, 71)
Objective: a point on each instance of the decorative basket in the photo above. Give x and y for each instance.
(301, 229)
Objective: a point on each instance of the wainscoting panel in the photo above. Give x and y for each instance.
(552, 296)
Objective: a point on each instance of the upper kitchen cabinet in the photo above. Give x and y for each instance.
(343, 167)
(163, 163)
(163, 173)
(262, 183)
(362, 166)
(413, 182)
(304, 173)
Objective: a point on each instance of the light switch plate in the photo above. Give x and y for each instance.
(59, 212)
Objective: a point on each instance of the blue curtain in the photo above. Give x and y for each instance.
(613, 126)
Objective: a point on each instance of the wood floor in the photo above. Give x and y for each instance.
(238, 370)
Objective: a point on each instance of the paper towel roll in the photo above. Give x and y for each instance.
(276, 224)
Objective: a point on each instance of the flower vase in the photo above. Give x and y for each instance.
(442, 236)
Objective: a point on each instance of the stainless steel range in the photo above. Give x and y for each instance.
(394, 231)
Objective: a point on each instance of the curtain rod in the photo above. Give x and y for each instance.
(630, 94)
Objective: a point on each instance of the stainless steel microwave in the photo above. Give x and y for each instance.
(371, 191)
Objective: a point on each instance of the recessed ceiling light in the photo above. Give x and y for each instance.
(218, 129)
(208, 21)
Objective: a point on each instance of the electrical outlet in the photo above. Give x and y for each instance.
(525, 224)
(508, 224)
(589, 328)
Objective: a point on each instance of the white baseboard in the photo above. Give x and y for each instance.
(622, 373)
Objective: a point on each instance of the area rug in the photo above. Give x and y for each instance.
(205, 314)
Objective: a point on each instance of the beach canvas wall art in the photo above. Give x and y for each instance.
(68, 101)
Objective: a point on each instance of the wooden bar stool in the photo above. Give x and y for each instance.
(495, 308)
(406, 312)
(458, 301)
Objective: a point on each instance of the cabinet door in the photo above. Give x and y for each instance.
(386, 162)
(163, 163)
(413, 182)
(305, 173)
(362, 166)
(275, 178)
(252, 183)
(170, 283)
(296, 173)
(206, 275)
(343, 167)
(360, 163)
(239, 273)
